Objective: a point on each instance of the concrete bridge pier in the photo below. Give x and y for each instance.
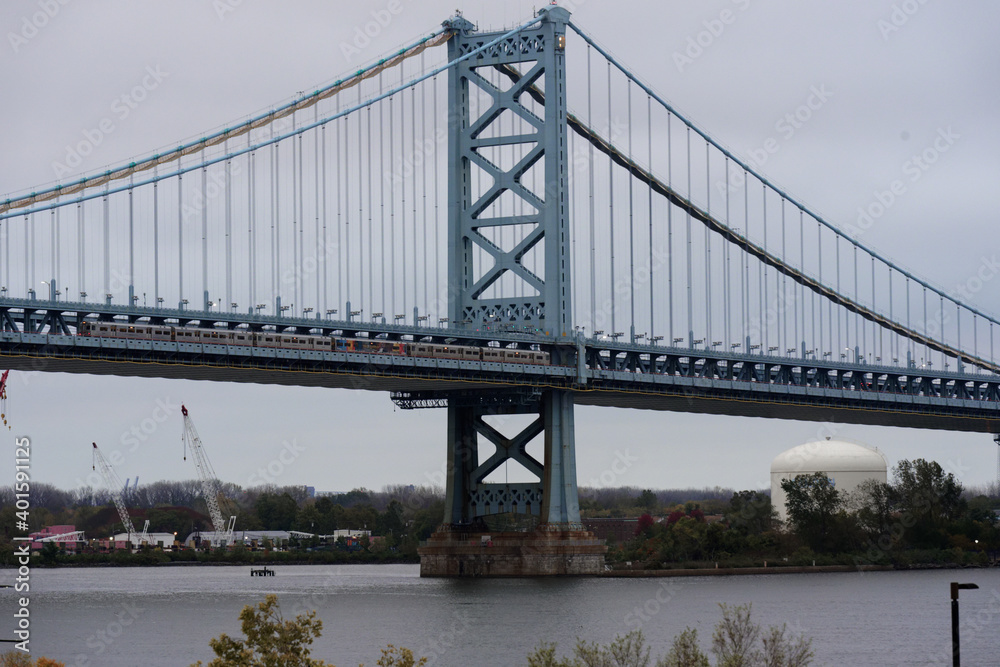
(464, 546)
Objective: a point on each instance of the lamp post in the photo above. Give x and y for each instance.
(955, 588)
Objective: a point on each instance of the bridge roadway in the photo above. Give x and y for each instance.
(40, 335)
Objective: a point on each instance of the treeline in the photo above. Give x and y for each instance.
(921, 516)
(401, 515)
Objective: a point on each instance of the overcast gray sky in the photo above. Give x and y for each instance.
(898, 73)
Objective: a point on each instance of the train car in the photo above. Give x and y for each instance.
(206, 336)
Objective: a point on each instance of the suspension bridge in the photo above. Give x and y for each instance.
(458, 225)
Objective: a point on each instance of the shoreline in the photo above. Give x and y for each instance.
(782, 569)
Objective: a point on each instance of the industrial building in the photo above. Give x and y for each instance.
(846, 464)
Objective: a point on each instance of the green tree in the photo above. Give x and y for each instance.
(929, 499)
(874, 503)
(685, 651)
(647, 499)
(390, 522)
(813, 502)
(750, 513)
(276, 512)
(270, 641)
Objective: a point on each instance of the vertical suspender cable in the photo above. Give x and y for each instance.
(402, 190)
(590, 172)
(6, 236)
(381, 196)
(652, 281)
(180, 236)
(745, 271)
(783, 303)
(274, 215)
(52, 244)
(296, 218)
(413, 180)
(340, 223)
(690, 279)
(631, 229)
(840, 332)
(819, 249)
(927, 349)
(28, 282)
(371, 245)
(874, 325)
(326, 246)
(300, 277)
(58, 275)
(361, 217)
(895, 338)
(156, 240)
(424, 147)
(204, 233)
(81, 244)
(762, 277)
(611, 209)
(437, 220)
(229, 230)
(252, 229)
(131, 240)
(727, 340)
(670, 236)
(318, 248)
(392, 220)
(708, 248)
(857, 293)
(802, 290)
(909, 341)
(107, 243)
(347, 212)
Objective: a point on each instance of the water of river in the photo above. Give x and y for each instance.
(166, 615)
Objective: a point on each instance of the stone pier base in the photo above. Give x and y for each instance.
(456, 553)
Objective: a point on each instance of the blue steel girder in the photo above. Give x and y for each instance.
(891, 395)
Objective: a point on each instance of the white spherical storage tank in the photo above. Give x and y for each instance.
(847, 464)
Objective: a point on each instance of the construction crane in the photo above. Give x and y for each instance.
(114, 485)
(209, 482)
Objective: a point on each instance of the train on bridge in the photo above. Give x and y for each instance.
(270, 339)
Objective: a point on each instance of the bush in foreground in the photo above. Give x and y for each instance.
(271, 641)
(736, 642)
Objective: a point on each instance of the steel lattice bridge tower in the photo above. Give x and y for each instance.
(560, 546)
(475, 234)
